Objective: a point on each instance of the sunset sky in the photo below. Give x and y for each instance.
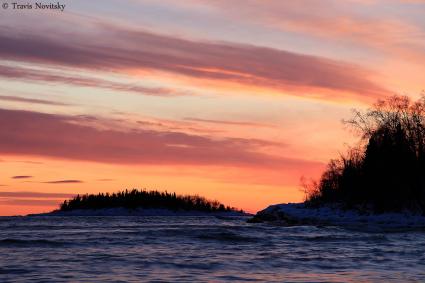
(232, 100)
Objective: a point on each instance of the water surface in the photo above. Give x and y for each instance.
(201, 249)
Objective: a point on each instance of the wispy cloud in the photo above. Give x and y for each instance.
(31, 100)
(45, 76)
(21, 177)
(64, 182)
(232, 123)
(59, 136)
(35, 195)
(33, 198)
(360, 22)
(30, 202)
(29, 162)
(134, 50)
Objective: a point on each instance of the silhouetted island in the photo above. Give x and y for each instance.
(143, 202)
(383, 175)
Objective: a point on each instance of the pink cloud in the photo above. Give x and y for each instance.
(33, 75)
(30, 100)
(59, 136)
(123, 50)
(231, 123)
(354, 22)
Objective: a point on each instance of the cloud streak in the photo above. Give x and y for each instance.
(231, 123)
(44, 76)
(32, 133)
(64, 182)
(30, 100)
(33, 198)
(126, 50)
(21, 177)
(34, 195)
(30, 202)
(338, 21)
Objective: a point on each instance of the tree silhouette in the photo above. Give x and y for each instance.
(387, 171)
(132, 199)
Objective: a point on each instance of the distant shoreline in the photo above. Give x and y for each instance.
(121, 211)
(142, 203)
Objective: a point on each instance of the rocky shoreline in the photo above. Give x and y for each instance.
(295, 214)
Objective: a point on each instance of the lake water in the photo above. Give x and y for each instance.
(201, 249)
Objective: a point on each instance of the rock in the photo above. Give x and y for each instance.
(293, 214)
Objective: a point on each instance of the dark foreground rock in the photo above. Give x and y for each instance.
(292, 214)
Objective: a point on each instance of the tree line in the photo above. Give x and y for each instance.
(134, 198)
(386, 171)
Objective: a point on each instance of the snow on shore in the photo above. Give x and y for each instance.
(299, 214)
(120, 211)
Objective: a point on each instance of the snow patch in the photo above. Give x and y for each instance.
(299, 214)
(121, 211)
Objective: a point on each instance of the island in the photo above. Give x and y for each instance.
(380, 183)
(142, 203)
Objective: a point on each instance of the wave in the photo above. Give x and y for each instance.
(344, 238)
(17, 271)
(31, 243)
(227, 237)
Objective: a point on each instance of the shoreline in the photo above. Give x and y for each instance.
(297, 214)
(120, 211)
